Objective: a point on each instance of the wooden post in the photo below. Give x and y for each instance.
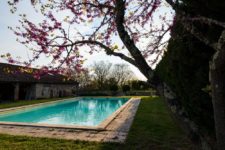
(16, 91)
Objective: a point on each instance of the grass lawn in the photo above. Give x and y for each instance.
(153, 128)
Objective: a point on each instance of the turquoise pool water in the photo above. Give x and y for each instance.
(85, 111)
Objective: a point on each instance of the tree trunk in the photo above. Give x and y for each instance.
(217, 78)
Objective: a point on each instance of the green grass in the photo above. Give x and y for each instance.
(153, 128)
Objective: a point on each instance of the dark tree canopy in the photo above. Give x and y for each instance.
(185, 68)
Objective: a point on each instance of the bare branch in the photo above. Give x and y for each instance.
(206, 20)
(194, 31)
(108, 50)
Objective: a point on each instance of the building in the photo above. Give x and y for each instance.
(23, 85)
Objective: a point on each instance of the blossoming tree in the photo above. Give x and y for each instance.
(140, 26)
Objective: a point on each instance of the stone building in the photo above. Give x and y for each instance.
(23, 85)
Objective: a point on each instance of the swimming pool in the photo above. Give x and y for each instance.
(78, 111)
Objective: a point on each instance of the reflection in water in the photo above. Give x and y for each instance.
(87, 111)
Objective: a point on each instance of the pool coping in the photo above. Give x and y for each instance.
(102, 126)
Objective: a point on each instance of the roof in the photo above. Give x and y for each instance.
(28, 77)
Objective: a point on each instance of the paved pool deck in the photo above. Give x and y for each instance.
(115, 131)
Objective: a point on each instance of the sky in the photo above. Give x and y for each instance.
(8, 43)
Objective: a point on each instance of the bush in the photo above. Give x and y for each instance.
(185, 67)
(139, 85)
(114, 88)
(93, 94)
(125, 88)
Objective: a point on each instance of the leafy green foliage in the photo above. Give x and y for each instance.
(185, 67)
(125, 88)
(114, 87)
(139, 85)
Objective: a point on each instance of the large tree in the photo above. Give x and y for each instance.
(134, 22)
(101, 72)
(84, 78)
(121, 73)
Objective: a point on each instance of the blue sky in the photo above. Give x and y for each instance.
(9, 44)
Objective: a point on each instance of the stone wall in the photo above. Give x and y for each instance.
(53, 90)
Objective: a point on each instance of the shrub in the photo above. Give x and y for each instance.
(185, 67)
(114, 88)
(125, 88)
